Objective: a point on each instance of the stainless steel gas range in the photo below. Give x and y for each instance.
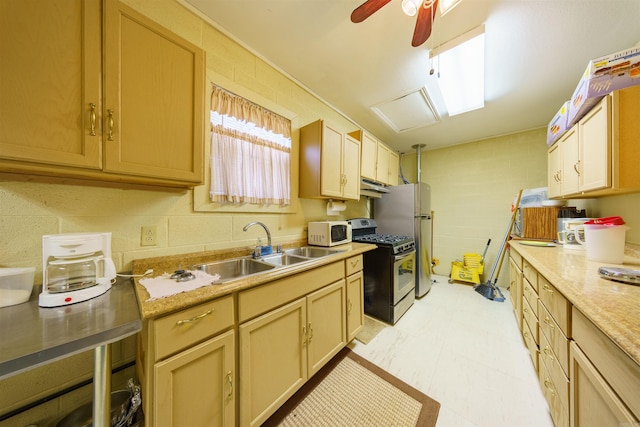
(389, 271)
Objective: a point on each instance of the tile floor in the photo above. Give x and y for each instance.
(464, 351)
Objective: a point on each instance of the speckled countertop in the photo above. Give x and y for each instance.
(613, 307)
(159, 307)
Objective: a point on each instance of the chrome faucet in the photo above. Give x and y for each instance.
(260, 250)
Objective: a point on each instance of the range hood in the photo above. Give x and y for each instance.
(371, 189)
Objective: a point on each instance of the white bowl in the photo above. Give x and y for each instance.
(16, 285)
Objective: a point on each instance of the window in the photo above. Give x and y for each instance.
(250, 152)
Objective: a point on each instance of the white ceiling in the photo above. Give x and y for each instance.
(536, 51)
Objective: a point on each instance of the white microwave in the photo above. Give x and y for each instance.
(329, 233)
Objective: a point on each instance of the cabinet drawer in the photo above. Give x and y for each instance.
(353, 265)
(558, 376)
(559, 414)
(623, 376)
(188, 327)
(530, 274)
(556, 338)
(556, 304)
(531, 320)
(530, 295)
(532, 346)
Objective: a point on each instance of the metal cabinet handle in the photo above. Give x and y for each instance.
(230, 382)
(355, 262)
(195, 318)
(548, 288)
(548, 321)
(110, 111)
(310, 333)
(350, 307)
(548, 352)
(576, 167)
(92, 117)
(549, 385)
(304, 336)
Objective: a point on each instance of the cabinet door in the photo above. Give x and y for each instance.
(394, 168)
(382, 164)
(571, 164)
(47, 93)
(368, 157)
(595, 147)
(331, 159)
(554, 171)
(197, 387)
(273, 361)
(593, 402)
(153, 99)
(326, 324)
(355, 305)
(351, 168)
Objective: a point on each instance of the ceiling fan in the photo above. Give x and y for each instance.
(426, 10)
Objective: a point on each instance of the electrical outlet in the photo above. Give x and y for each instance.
(149, 235)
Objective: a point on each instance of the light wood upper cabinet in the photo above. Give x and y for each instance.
(599, 155)
(154, 93)
(378, 162)
(50, 99)
(99, 92)
(368, 157)
(329, 163)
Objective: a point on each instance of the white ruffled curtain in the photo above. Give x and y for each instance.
(250, 152)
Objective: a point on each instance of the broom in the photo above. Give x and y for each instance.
(489, 289)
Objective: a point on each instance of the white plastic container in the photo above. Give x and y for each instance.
(16, 285)
(604, 241)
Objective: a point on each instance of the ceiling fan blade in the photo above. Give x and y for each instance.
(367, 9)
(426, 15)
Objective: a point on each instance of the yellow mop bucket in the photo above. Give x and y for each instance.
(470, 269)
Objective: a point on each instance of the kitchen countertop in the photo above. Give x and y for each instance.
(160, 265)
(32, 336)
(612, 306)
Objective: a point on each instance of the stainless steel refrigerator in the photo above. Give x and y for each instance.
(406, 210)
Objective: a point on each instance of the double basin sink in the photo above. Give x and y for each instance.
(235, 268)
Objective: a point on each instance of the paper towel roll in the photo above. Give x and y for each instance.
(334, 208)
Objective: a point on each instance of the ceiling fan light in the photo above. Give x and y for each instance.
(410, 7)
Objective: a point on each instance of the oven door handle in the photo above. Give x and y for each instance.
(397, 258)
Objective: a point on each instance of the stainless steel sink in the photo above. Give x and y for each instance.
(312, 252)
(235, 268)
(283, 259)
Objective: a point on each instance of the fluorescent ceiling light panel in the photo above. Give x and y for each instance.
(407, 112)
(460, 68)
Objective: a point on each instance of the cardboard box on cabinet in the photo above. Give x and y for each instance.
(558, 125)
(602, 76)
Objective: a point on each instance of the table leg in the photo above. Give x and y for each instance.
(102, 386)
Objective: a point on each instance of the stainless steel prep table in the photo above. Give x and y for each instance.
(31, 336)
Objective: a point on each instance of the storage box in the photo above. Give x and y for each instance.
(558, 125)
(537, 223)
(602, 76)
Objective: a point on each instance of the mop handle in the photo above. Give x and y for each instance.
(506, 238)
(485, 250)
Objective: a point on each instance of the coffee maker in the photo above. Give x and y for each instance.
(75, 267)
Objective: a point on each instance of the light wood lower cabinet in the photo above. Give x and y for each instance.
(515, 285)
(355, 296)
(196, 387)
(281, 349)
(594, 403)
(186, 365)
